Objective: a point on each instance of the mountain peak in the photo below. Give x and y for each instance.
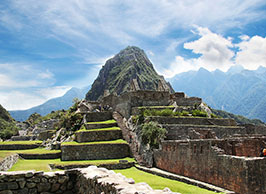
(117, 73)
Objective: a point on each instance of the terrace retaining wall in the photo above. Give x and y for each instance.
(94, 151)
(91, 180)
(100, 135)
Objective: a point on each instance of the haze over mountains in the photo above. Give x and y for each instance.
(238, 91)
(63, 102)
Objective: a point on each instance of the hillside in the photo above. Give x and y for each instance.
(59, 103)
(239, 91)
(7, 124)
(117, 73)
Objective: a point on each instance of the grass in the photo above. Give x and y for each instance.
(150, 107)
(20, 142)
(5, 153)
(103, 122)
(43, 165)
(157, 182)
(38, 165)
(118, 141)
(100, 129)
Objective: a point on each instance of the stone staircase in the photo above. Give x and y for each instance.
(99, 139)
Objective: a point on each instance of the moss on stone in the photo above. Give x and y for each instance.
(118, 141)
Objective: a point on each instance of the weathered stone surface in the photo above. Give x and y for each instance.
(91, 151)
(6, 192)
(30, 185)
(12, 185)
(42, 187)
(22, 184)
(101, 135)
(55, 187)
(8, 162)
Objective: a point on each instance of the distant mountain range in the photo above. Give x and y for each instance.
(63, 102)
(238, 91)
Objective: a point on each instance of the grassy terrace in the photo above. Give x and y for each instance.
(103, 122)
(157, 182)
(100, 129)
(118, 141)
(5, 153)
(43, 165)
(20, 142)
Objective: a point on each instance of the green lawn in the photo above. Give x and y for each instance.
(102, 122)
(100, 129)
(157, 182)
(43, 165)
(20, 142)
(120, 141)
(5, 153)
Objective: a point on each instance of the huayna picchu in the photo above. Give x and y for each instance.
(132, 112)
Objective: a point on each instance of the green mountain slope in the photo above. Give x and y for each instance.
(7, 124)
(117, 73)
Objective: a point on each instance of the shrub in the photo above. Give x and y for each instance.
(199, 113)
(214, 115)
(152, 133)
(166, 112)
(184, 113)
(177, 113)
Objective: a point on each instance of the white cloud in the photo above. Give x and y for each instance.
(24, 76)
(214, 50)
(252, 52)
(18, 100)
(53, 92)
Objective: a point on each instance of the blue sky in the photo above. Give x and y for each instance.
(47, 47)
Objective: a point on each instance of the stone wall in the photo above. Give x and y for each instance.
(44, 135)
(98, 116)
(185, 131)
(24, 138)
(91, 180)
(41, 156)
(100, 125)
(125, 101)
(101, 135)
(205, 160)
(8, 162)
(194, 121)
(18, 146)
(94, 151)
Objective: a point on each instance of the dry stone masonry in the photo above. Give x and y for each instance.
(91, 180)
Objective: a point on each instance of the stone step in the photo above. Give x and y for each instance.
(95, 150)
(98, 125)
(19, 145)
(104, 134)
(194, 121)
(98, 116)
(188, 131)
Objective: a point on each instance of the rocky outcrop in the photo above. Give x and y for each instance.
(8, 162)
(118, 72)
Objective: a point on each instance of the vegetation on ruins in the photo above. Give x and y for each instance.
(82, 129)
(118, 141)
(152, 133)
(171, 113)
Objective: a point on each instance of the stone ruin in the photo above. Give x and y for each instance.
(215, 151)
